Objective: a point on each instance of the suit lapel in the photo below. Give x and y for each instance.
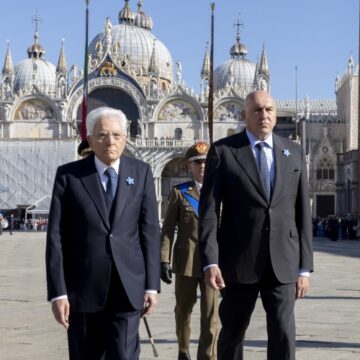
(279, 168)
(245, 157)
(93, 187)
(122, 188)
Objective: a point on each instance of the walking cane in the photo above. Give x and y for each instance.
(156, 354)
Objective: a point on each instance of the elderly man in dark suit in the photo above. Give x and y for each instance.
(255, 230)
(182, 214)
(103, 245)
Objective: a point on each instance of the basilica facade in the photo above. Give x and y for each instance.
(132, 70)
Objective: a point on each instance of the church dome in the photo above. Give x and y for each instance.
(35, 70)
(135, 42)
(238, 71)
(235, 72)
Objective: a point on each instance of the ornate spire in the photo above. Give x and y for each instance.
(126, 15)
(256, 74)
(36, 50)
(238, 50)
(8, 68)
(264, 67)
(205, 71)
(154, 64)
(143, 20)
(62, 63)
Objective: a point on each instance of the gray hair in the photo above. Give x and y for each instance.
(95, 115)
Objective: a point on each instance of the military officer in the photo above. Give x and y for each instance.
(182, 214)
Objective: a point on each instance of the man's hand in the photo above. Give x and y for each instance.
(150, 302)
(213, 278)
(166, 272)
(302, 286)
(61, 311)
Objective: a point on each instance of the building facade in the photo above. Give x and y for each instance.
(132, 70)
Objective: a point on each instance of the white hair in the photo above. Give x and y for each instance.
(95, 115)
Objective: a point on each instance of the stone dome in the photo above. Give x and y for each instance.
(35, 70)
(237, 72)
(134, 40)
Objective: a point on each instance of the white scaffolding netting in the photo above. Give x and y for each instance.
(28, 167)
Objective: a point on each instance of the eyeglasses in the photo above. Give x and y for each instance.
(102, 137)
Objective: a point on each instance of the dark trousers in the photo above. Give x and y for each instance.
(111, 334)
(235, 311)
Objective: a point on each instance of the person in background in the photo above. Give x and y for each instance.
(182, 214)
(11, 224)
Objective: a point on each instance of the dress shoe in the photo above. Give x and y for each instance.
(184, 356)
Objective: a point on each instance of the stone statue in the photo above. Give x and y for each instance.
(263, 85)
(108, 27)
(62, 87)
(7, 108)
(178, 71)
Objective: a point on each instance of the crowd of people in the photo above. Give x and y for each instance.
(335, 227)
(12, 223)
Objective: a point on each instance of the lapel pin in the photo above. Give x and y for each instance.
(130, 181)
(286, 152)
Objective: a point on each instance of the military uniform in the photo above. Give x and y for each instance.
(184, 253)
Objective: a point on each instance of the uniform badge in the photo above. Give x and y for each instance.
(201, 148)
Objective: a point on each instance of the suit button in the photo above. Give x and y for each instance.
(267, 229)
(111, 236)
(269, 211)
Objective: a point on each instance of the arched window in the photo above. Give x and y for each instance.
(178, 134)
(325, 170)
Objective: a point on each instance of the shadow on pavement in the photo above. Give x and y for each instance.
(349, 248)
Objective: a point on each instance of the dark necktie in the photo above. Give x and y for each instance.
(111, 184)
(264, 170)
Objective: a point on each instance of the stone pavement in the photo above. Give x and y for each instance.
(328, 319)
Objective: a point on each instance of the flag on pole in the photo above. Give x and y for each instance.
(85, 88)
(211, 79)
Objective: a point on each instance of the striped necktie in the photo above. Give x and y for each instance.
(263, 169)
(111, 184)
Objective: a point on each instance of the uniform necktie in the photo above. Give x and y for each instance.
(264, 170)
(111, 184)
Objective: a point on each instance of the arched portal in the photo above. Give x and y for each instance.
(117, 99)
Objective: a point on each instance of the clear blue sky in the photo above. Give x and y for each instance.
(317, 36)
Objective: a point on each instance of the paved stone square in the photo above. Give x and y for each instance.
(328, 319)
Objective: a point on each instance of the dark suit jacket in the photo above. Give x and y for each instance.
(239, 229)
(82, 245)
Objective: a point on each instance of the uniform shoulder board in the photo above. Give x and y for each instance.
(183, 186)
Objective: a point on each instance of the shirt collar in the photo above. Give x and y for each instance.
(101, 167)
(254, 140)
(198, 186)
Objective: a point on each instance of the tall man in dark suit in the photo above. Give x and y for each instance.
(182, 214)
(103, 245)
(255, 230)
